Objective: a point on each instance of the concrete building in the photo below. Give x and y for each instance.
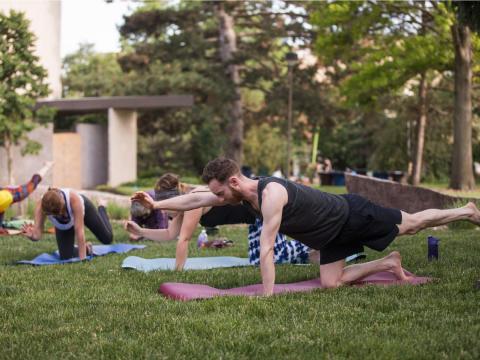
(97, 154)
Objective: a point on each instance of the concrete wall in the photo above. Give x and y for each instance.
(94, 154)
(122, 146)
(25, 166)
(45, 23)
(67, 155)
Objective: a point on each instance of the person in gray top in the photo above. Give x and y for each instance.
(335, 225)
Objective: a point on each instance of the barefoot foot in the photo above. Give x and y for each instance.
(394, 264)
(474, 217)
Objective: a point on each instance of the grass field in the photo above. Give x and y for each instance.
(98, 310)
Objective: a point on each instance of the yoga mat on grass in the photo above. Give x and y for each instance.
(98, 250)
(186, 292)
(198, 263)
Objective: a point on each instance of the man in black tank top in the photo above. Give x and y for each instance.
(338, 226)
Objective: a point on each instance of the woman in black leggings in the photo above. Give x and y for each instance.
(70, 212)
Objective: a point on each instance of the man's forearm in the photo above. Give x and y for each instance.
(267, 269)
(181, 254)
(185, 202)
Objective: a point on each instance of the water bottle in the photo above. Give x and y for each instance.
(202, 238)
(432, 248)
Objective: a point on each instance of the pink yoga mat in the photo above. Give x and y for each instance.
(186, 292)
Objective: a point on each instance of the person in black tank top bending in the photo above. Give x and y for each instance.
(336, 225)
(183, 226)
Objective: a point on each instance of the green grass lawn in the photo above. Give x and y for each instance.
(98, 310)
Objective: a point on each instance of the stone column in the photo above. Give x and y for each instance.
(94, 154)
(122, 146)
(67, 154)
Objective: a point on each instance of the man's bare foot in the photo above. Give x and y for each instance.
(394, 263)
(45, 169)
(474, 217)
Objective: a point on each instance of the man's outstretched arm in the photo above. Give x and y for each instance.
(186, 202)
(274, 197)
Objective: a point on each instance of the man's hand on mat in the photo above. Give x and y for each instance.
(3, 231)
(144, 199)
(133, 228)
(29, 231)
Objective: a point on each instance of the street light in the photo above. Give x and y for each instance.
(291, 59)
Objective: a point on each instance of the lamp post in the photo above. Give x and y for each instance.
(292, 60)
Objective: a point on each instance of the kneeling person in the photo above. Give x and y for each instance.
(70, 212)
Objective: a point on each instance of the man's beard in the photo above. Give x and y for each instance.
(236, 196)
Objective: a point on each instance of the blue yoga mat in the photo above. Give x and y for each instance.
(199, 263)
(98, 250)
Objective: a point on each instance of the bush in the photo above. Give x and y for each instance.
(117, 212)
(264, 149)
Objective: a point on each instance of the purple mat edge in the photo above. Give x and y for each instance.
(188, 292)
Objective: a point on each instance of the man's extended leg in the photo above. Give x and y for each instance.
(336, 274)
(413, 223)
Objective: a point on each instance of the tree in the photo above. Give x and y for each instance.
(462, 163)
(87, 73)
(91, 74)
(22, 82)
(263, 148)
(384, 48)
(186, 49)
(228, 48)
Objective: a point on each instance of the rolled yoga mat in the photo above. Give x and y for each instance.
(186, 292)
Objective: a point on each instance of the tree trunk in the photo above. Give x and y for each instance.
(228, 47)
(421, 125)
(462, 163)
(409, 148)
(8, 149)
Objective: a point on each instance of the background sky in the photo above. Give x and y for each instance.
(92, 21)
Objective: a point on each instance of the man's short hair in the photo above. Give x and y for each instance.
(52, 201)
(220, 169)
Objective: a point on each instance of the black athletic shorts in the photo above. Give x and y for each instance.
(368, 225)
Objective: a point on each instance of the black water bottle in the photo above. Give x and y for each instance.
(432, 248)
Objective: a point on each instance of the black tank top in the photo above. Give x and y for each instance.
(311, 216)
(227, 215)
